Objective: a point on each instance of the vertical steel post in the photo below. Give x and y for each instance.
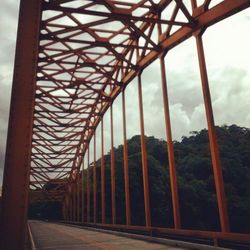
(171, 158)
(78, 197)
(102, 174)
(217, 169)
(66, 211)
(193, 4)
(69, 212)
(18, 149)
(94, 176)
(63, 210)
(125, 159)
(67, 206)
(74, 201)
(83, 196)
(72, 206)
(88, 189)
(112, 166)
(144, 158)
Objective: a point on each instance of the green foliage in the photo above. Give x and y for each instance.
(195, 180)
(196, 185)
(45, 210)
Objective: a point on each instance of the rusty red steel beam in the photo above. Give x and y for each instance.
(171, 157)
(125, 161)
(94, 183)
(83, 196)
(67, 197)
(144, 158)
(67, 204)
(216, 163)
(18, 150)
(88, 186)
(103, 204)
(104, 44)
(203, 20)
(112, 160)
(72, 207)
(112, 16)
(78, 197)
(74, 202)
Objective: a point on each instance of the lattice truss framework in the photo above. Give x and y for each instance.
(89, 51)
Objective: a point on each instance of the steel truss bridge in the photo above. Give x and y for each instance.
(73, 58)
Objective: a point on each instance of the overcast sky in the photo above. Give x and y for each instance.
(227, 53)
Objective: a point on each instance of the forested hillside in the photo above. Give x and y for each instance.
(195, 181)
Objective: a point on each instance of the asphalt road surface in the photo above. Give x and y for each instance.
(63, 237)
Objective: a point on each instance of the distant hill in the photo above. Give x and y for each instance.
(195, 180)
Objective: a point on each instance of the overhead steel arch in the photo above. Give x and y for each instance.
(73, 59)
(83, 65)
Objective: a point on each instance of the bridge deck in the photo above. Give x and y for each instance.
(63, 237)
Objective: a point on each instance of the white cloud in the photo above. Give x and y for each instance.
(227, 53)
(8, 20)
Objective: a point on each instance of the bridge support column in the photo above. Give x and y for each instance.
(78, 196)
(66, 205)
(18, 150)
(88, 189)
(72, 207)
(83, 195)
(103, 175)
(94, 181)
(144, 158)
(217, 168)
(125, 156)
(64, 210)
(112, 166)
(69, 209)
(171, 158)
(74, 202)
